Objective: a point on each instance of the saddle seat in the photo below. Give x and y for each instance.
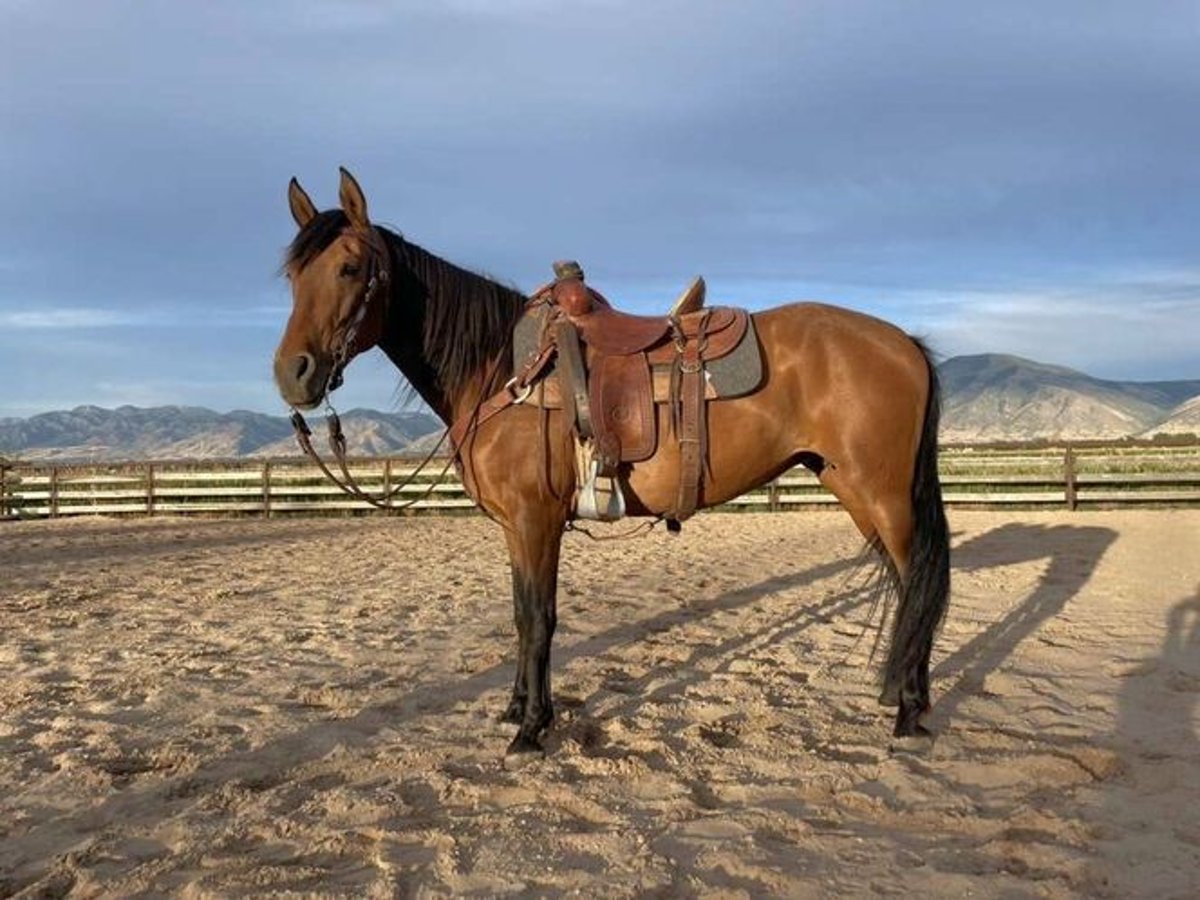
(605, 331)
(608, 331)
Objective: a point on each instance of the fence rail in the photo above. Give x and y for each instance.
(1065, 477)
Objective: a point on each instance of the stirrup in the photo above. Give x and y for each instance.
(599, 497)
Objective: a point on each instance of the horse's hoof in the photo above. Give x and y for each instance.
(889, 697)
(514, 715)
(523, 751)
(909, 735)
(911, 729)
(919, 743)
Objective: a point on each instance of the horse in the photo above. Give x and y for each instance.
(847, 395)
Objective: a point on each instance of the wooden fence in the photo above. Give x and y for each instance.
(1062, 477)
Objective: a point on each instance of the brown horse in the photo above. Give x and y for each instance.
(849, 396)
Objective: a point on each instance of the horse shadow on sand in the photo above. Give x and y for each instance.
(1071, 555)
(1150, 816)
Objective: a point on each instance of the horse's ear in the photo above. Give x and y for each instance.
(354, 204)
(303, 210)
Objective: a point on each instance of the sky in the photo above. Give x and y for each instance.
(1019, 177)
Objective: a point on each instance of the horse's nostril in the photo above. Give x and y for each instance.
(302, 367)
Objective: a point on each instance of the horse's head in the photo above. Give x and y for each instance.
(338, 267)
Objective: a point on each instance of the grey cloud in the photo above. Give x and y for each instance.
(867, 151)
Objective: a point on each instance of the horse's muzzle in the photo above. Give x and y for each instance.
(301, 379)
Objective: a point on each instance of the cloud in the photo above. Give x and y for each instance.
(1141, 328)
(69, 318)
(958, 168)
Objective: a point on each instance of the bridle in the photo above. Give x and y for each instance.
(378, 279)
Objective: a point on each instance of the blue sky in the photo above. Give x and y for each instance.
(1016, 177)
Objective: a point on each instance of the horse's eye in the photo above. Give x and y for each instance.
(349, 270)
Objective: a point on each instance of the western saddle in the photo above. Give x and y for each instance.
(609, 371)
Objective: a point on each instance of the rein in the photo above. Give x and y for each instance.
(348, 484)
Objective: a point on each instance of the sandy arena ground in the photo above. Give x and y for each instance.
(227, 708)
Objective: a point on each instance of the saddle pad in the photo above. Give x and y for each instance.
(739, 372)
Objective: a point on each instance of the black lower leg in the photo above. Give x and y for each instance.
(515, 711)
(538, 601)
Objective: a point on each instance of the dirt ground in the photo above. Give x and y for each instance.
(228, 708)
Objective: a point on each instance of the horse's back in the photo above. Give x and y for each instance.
(837, 383)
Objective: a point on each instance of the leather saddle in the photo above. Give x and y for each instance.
(612, 369)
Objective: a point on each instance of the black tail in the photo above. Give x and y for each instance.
(925, 593)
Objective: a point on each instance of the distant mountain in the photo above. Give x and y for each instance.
(993, 397)
(1184, 419)
(181, 432)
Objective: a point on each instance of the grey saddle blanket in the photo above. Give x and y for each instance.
(735, 375)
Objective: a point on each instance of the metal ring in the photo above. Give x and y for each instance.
(518, 399)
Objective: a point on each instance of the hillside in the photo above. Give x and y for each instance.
(1184, 419)
(177, 432)
(994, 397)
(990, 397)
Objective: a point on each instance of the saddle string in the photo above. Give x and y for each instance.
(636, 531)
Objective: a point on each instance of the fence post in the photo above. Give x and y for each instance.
(266, 489)
(3, 490)
(773, 495)
(53, 492)
(1069, 477)
(387, 481)
(149, 489)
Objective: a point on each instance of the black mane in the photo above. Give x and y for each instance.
(468, 318)
(465, 319)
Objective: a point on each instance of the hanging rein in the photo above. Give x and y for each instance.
(514, 392)
(378, 281)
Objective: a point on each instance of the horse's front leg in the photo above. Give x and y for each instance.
(515, 712)
(534, 550)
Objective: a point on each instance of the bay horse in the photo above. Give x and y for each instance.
(849, 396)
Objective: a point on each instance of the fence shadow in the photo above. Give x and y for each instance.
(160, 536)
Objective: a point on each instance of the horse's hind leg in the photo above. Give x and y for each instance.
(894, 525)
(913, 529)
(890, 521)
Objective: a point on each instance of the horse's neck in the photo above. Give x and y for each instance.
(404, 338)
(406, 356)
